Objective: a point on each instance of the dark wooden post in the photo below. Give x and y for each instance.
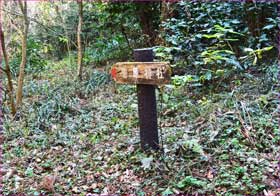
(147, 108)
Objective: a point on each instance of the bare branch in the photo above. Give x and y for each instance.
(4, 70)
(21, 5)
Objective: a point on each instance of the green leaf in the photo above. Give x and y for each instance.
(167, 191)
(208, 75)
(271, 20)
(198, 35)
(235, 21)
(267, 48)
(204, 53)
(165, 97)
(235, 141)
(263, 99)
(234, 32)
(181, 184)
(248, 50)
(219, 28)
(255, 60)
(216, 35)
(230, 39)
(29, 172)
(190, 181)
(234, 62)
(268, 27)
(193, 143)
(220, 72)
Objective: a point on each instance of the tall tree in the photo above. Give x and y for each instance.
(166, 12)
(79, 42)
(149, 18)
(7, 69)
(23, 8)
(67, 34)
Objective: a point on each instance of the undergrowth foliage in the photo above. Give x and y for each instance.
(221, 142)
(209, 43)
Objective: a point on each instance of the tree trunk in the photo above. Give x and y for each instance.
(7, 67)
(23, 7)
(145, 13)
(79, 42)
(255, 18)
(66, 33)
(163, 17)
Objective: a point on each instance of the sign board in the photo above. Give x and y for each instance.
(153, 73)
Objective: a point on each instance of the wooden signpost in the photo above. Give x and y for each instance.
(145, 74)
(153, 73)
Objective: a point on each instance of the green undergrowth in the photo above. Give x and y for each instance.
(220, 143)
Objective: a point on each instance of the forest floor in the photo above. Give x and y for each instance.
(86, 137)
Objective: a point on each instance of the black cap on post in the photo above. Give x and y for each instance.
(143, 54)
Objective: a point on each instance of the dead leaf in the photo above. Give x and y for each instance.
(146, 162)
(210, 175)
(105, 191)
(89, 177)
(10, 173)
(110, 171)
(47, 183)
(97, 174)
(1, 138)
(105, 175)
(268, 193)
(94, 186)
(130, 148)
(76, 190)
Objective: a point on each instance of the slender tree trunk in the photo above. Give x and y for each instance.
(23, 7)
(255, 18)
(79, 42)
(146, 15)
(125, 36)
(163, 17)
(66, 33)
(7, 67)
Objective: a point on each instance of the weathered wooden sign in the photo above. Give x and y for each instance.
(146, 74)
(153, 73)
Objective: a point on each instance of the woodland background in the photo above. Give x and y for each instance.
(69, 129)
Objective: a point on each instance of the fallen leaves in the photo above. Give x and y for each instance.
(2, 138)
(212, 172)
(47, 183)
(76, 189)
(105, 160)
(9, 173)
(272, 192)
(18, 181)
(210, 175)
